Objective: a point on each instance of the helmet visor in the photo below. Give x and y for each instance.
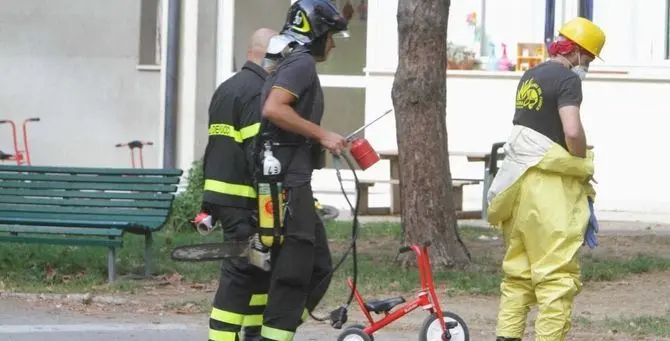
(341, 35)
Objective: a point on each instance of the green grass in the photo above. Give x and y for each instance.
(24, 267)
(643, 325)
(599, 270)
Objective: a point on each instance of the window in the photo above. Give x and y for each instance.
(344, 111)
(248, 19)
(667, 29)
(348, 56)
(586, 9)
(150, 32)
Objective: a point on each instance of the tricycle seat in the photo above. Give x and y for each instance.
(385, 305)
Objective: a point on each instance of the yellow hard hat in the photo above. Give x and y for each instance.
(584, 33)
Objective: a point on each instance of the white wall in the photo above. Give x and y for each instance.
(74, 65)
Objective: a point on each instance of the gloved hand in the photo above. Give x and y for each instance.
(592, 228)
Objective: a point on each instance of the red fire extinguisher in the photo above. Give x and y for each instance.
(361, 149)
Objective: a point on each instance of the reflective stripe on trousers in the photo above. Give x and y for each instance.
(234, 322)
(281, 335)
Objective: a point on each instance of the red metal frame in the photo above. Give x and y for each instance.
(20, 156)
(135, 144)
(426, 296)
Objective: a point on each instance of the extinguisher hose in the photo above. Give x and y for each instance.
(352, 246)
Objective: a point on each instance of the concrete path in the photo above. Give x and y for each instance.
(21, 322)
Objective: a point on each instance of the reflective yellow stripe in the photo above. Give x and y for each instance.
(230, 189)
(218, 335)
(305, 315)
(250, 131)
(276, 334)
(230, 131)
(258, 300)
(253, 320)
(227, 317)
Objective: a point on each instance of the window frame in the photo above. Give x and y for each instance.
(150, 35)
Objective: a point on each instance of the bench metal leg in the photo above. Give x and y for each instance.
(148, 244)
(111, 264)
(457, 192)
(363, 206)
(395, 189)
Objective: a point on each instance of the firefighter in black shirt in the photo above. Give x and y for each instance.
(229, 195)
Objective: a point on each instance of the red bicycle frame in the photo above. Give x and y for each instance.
(20, 156)
(135, 144)
(426, 296)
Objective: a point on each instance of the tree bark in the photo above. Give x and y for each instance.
(419, 99)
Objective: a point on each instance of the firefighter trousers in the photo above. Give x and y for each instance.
(301, 270)
(242, 293)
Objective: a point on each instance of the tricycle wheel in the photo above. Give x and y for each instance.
(361, 327)
(432, 331)
(354, 334)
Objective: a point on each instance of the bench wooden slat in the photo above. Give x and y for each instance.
(85, 202)
(83, 210)
(81, 220)
(93, 171)
(78, 231)
(90, 178)
(365, 184)
(87, 186)
(62, 241)
(454, 182)
(92, 195)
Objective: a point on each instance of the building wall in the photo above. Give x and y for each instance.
(73, 64)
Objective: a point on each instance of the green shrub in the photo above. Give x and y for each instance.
(187, 203)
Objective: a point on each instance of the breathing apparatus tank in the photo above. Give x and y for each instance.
(270, 212)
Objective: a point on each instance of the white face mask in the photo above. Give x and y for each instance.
(579, 69)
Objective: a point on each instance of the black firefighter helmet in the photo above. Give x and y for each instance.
(309, 21)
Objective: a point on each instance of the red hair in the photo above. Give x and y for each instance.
(562, 47)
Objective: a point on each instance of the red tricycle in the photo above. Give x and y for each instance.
(20, 156)
(438, 326)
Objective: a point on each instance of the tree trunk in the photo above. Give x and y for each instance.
(419, 99)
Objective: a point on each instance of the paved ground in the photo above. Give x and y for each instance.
(21, 322)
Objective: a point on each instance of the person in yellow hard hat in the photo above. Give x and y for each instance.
(541, 196)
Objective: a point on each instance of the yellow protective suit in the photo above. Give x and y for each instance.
(539, 198)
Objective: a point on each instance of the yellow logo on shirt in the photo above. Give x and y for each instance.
(529, 96)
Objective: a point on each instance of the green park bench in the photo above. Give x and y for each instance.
(85, 206)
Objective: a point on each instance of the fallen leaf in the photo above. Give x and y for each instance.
(50, 273)
(175, 278)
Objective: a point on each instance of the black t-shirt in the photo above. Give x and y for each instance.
(542, 90)
(296, 74)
